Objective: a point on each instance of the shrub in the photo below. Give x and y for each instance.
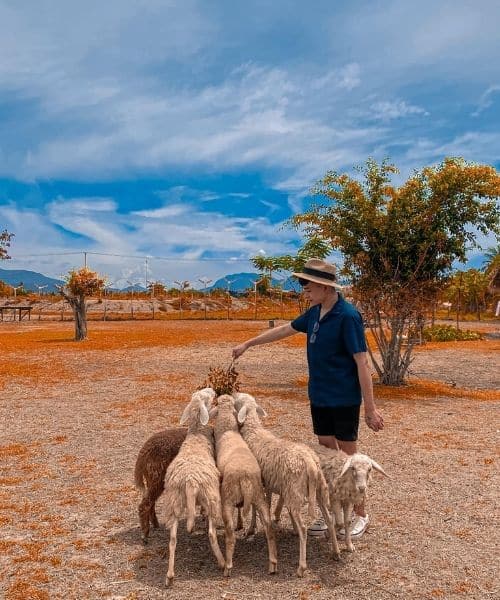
(448, 333)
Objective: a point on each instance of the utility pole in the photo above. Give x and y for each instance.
(40, 288)
(85, 260)
(255, 299)
(132, 298)
(205, 281)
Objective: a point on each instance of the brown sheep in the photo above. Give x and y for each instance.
(151, 465)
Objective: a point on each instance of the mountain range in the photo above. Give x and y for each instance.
(34, 282)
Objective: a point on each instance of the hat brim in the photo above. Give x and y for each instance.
(319, 280)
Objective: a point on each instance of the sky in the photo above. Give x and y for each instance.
(190, 131)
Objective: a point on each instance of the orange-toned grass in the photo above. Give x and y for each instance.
(23, 590)
(423, 388)
(483, 346)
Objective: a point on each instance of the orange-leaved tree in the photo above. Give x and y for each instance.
(399, 243)
(78, 286)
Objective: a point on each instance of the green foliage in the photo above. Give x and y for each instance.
(399, 243)
(393, 237)
(448, 333)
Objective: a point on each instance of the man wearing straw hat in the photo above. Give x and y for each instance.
(339, 373)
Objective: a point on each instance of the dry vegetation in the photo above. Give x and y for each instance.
(74, 416)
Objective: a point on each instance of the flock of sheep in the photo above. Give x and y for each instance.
(238, 463)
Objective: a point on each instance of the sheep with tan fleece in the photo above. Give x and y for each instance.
(289, 469)
(193, 479)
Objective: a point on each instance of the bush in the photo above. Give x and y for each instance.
(448, 333)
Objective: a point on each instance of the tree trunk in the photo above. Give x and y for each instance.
(79, 308)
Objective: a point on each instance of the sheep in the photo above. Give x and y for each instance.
(193, 479)
(149, 474)
(289, 469)
(241, 479)
(348, 477)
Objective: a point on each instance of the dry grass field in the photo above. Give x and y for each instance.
(74, 415)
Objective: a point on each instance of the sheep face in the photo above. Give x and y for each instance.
(360, 468)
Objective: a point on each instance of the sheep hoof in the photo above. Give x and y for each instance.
(351, 548)
(227, 572)
(301, 571)
(145, 540)
(273, 568)
(336, 555)
(169, 581)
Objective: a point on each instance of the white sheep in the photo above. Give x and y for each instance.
(241, 479)
(348, 477)
(289, 469)
(193, 479)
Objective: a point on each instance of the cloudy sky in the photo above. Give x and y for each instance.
(189, 131)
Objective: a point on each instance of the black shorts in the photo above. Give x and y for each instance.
(340, 421)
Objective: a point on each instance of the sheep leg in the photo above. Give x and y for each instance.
(171, 553)
(278, 509)
(212, 536)
(347, 527)
(329, 520)
(265, 519)
(239, 520)
(144, 518)
(253, 523)
(227, 515)
(302, 531)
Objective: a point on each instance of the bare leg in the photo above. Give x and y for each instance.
(212, 536)
(144, 518)
(227, 515)
(171, 553)
(301, 529)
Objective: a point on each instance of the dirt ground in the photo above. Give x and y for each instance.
(74, 416)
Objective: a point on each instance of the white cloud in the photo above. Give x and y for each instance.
(396, 109)
(486, 99)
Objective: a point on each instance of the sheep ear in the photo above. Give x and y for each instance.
(242, 415)
(260, 411)
(347, 464)
(185, 415)
(378, 468)
(213, 412)
(204, 416)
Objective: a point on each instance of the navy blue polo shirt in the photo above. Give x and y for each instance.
(331, 343)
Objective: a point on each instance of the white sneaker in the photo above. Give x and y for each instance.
(318, 527)
(359, 525)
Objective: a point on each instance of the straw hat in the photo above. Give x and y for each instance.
(319, 271)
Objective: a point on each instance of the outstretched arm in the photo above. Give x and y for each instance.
(273, 335)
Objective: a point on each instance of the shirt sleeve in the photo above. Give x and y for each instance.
(301, 322)
(353, 333)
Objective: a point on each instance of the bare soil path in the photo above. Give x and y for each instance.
(73, 417)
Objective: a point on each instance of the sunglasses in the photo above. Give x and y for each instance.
(312, 339)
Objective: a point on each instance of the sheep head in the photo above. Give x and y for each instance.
(360, 467)
(198, 407)
(243, 402)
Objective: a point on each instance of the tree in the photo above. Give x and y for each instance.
(5, 239)
(79, 285)
(399, 243)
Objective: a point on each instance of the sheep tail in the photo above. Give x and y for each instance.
(191, 494)
(138, 476)
(312, 483)
(247, 493)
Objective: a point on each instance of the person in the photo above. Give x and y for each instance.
(339, 373)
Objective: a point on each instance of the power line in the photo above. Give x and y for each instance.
(139, 257)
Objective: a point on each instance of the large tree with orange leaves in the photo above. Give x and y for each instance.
(399, 243)
(79, 285)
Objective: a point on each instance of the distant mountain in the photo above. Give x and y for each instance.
(30, 280)
(239, 282)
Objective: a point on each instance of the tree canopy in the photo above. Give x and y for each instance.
(399, 243)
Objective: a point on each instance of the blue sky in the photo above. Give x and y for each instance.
(191, 130)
